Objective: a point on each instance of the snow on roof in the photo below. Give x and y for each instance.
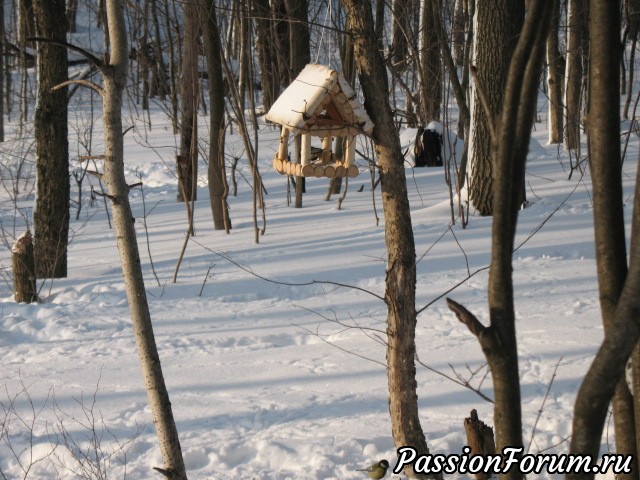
(320, 101)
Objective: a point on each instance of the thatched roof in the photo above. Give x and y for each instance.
(320, 101)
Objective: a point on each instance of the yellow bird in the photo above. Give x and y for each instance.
(377, 470)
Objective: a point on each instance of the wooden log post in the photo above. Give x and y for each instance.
(305, 149)
(24, 278)
(480, 439)
(326, 149)
(283, 148)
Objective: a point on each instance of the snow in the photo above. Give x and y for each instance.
(256, 389)
(274, 368)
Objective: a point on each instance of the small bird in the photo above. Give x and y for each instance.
(377, 470)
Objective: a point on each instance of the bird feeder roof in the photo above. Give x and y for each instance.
(320, 101)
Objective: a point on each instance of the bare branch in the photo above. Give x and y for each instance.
(468, 318)
(88, 55)
(85, 83)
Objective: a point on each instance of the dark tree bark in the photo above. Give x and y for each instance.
(2, 72)
(555, 71)
(576, 30)
(300, 55)
(430, 63)
(218, 188)
(401, 269)
(267, 53)
(188, 169)
(51, 213)
(401, 32)
(618, 288)
(23, 263)
(498, 27)
(510, 147)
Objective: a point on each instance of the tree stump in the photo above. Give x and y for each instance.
(480, 439)
(24, 278)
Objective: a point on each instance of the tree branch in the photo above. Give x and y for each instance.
(468, 318)
(85, 83)
(88, 55)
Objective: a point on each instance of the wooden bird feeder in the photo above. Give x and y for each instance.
(319, 103)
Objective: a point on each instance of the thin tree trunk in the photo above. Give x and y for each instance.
(618, 287)
(114, 82)
(218, 188)
(430, 63)
(401, 268)
(554, 80)
(578, 14)
(189, 110)
(510, 147)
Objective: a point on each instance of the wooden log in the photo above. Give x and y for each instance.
(353, 171)
(318, 171)
(480, 439)
(326, 149)
(283, 148)
(307, 170)
(305, 148)
(329, 171)
(341, 171)
(24, 278)
(298, 169)
(350, 154)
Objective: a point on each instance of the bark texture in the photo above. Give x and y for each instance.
(618, 288)
(114, 82)
(51, 213)
(218, 187)
(401, 269)
(430, 63)
(23, 266)
(576, 30)
(498, 24)
(555, 69)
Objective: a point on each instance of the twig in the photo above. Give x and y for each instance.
(544, 400)
(484, 101)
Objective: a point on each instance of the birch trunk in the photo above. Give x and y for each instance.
(113, 84)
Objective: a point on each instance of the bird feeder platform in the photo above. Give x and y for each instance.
(318, 103)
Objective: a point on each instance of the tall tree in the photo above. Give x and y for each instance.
(510, 147)
(114, 81)
(430, 62)
(299, 56)
(498, 24)
(51, 213)
(555, 71)
(188, 157)
(618, 285)
(216, 172)
(576, 31)
(400, 287)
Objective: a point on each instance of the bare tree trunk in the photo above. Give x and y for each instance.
(189, 110)
(72, 13)
(23, 266)
(51, 213)
(510, 147)
(498, 25)
(402, 12)
(619, 299)
(114, 82)
(578, 15)
(218, 187)
(430, 62)
(555, 69)
(401, 268)
(300, 55)
(2, 72)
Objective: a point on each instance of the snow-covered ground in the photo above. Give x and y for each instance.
(272, 373)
